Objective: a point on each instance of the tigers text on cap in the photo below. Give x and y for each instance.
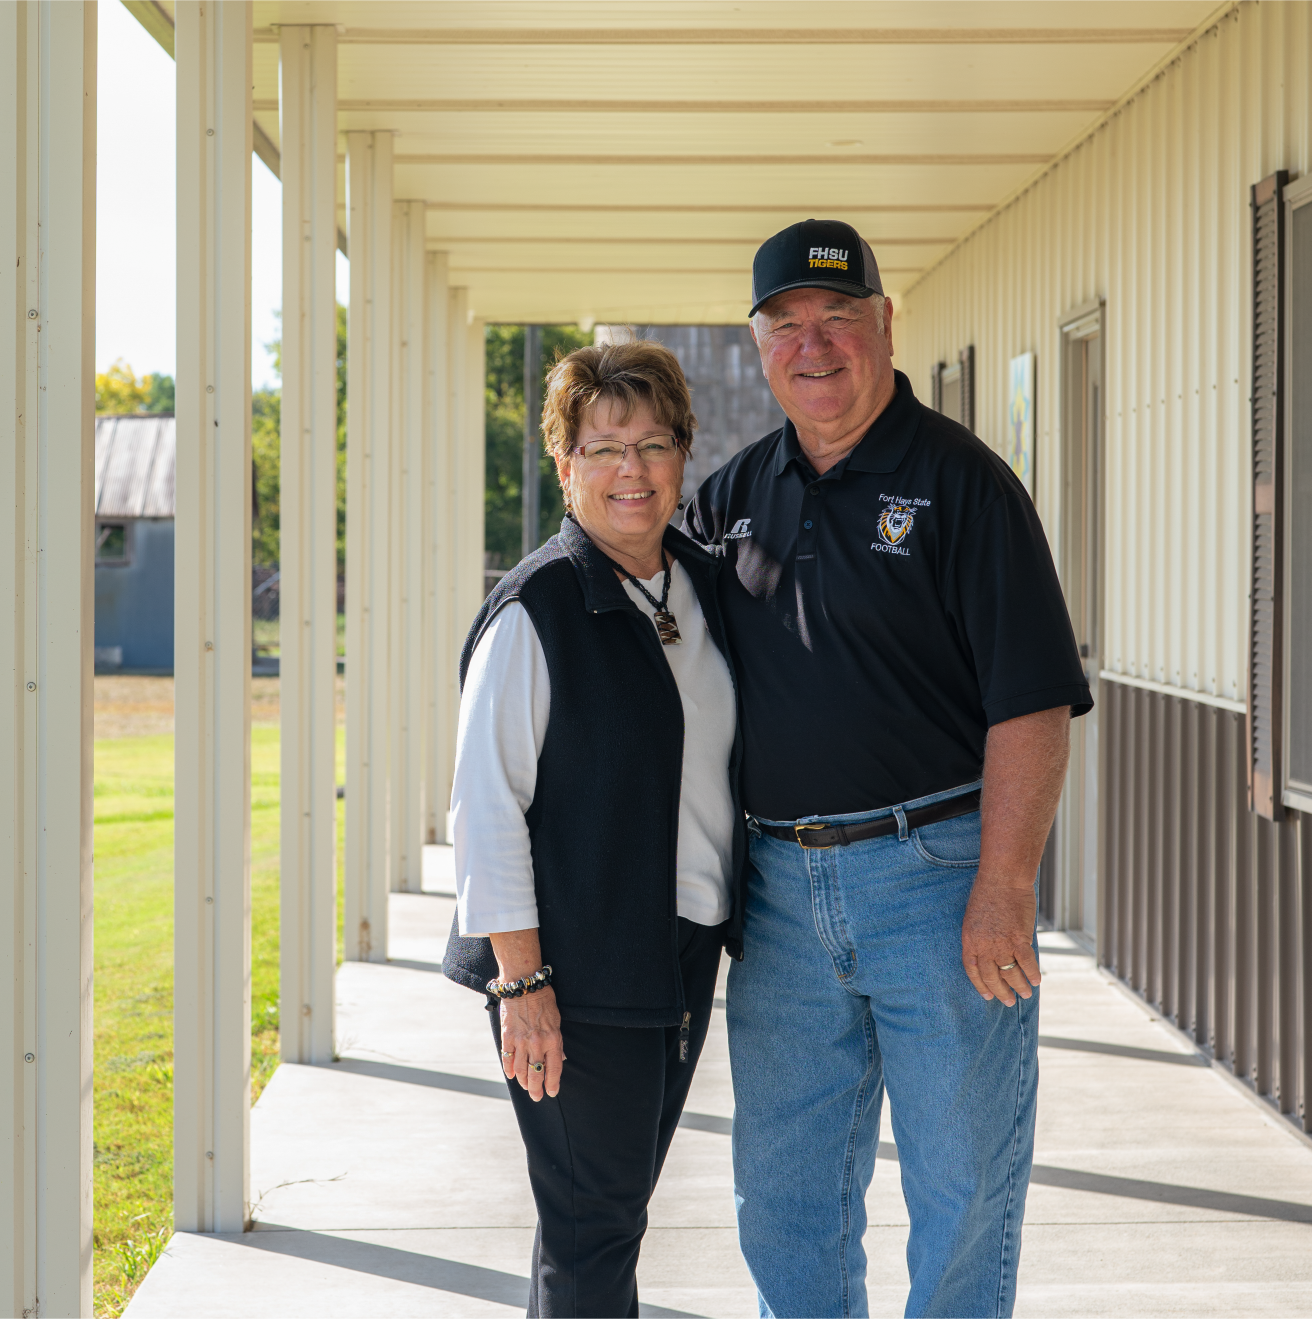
(829, 254)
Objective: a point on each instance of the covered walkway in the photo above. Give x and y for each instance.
(391, 1182)
(1080, 211)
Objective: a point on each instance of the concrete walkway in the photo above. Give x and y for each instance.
(391, 1184)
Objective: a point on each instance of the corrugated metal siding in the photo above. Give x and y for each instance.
(1205, 905)
(1150, 213)
(136, 465)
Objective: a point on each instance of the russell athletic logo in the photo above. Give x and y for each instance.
(818, 257)
(741, 529)
(895, 523)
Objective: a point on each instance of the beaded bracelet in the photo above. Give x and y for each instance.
(508, 991)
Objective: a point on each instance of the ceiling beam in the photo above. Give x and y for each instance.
(837, 210)
(720, 159)
(263, 147)
(747, 241)
(154, 18)
(633, 271)
(585, 105)
(945, 36)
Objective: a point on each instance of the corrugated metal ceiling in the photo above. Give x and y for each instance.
(621, 161)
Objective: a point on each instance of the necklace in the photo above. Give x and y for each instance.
(667, 627)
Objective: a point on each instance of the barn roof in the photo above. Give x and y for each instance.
(136, 462)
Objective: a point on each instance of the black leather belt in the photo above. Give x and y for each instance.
(816, 834)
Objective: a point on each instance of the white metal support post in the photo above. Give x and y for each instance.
(530, 474)
(308, 540)
(409, 308)
(440, 645)
(470, 466)
(212, 621)
(369, 514)
(47, 481)
(458, 344)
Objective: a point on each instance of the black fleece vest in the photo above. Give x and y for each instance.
(604, 822)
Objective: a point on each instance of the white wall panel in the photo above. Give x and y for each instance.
(1150, 213)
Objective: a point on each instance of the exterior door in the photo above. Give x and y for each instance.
(1080, 567)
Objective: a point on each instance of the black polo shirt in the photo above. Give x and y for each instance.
(882, 615)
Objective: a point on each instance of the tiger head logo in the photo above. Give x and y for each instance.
(895, 522)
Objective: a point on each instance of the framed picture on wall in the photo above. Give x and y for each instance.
(953, 388)
(1021, 419)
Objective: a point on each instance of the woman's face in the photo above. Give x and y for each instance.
(630, 503)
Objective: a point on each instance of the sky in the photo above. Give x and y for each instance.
(135, 215)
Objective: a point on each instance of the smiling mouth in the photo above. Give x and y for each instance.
(822, 373)
(634, 497)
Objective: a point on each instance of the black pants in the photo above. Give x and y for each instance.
(596, 1150)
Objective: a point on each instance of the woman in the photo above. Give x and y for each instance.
(598, 843)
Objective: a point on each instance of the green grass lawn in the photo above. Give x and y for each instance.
(133, 1202)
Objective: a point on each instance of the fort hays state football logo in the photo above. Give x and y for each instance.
(895, 522)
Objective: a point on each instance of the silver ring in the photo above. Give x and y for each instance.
(1003, 968)
(536, 1066)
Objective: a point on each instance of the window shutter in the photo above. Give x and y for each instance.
(1264, 712)
(967, 359)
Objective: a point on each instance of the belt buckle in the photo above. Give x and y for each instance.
(814, 825)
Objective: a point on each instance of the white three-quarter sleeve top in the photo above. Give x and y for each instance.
(504, 710)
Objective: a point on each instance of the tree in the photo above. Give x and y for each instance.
(266, 420)
(504, 438)
(120, 392)
(160, 400)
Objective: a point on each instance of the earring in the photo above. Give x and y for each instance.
(679, 506)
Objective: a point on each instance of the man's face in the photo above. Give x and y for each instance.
(825, 358)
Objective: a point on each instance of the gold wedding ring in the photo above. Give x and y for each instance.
(1003, 968)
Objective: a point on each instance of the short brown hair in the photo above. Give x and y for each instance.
(627, 373)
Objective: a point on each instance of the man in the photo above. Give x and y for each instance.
(907, 673)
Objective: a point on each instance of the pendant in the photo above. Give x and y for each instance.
(667, 628)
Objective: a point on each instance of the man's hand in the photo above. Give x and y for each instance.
(1025, 764)
(996, 932)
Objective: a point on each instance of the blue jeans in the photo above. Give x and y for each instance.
(851, 985)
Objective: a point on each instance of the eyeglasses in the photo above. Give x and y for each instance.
(611, 452)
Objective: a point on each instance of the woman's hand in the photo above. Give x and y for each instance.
(530, 1025)
(531, 1036)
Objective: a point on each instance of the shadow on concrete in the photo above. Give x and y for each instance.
(426, 1270)
(464, 1083)
(1188, 1196)
(421, 964)
(412, 1074)
(695, 1120)
(1100, 1048)
(1117, 1049)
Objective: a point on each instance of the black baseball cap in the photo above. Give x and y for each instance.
(828, 254)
